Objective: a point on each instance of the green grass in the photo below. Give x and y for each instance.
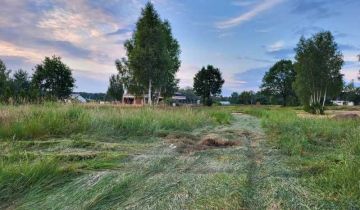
(46, 146)
(49, 120)
(56, 156)
(325, 153)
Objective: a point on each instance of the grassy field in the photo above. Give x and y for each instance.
(57, 156)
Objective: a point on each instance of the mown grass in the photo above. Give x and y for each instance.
(100, 157)
(325, 153)
(45, 146)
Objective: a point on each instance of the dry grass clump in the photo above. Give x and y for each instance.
(346, 116)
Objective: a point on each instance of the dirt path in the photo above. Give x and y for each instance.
(226, 167)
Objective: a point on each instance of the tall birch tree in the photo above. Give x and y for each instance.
(317, 66)
(153, 53)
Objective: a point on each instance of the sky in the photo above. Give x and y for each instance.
(243, 38)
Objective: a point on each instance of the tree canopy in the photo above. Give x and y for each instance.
(21, 87)
(318, 64)
(207, 83)
(247, 97)
(115, 90)
(279, 79)
(234, 98)
(4, 82)
(53, 79)
(350, 93)
(153, 54)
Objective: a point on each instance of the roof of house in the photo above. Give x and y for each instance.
(78, 97)
(224, 102)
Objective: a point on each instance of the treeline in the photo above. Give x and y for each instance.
(51, 80)
(94, 96)
(312, 80)
(252, 97)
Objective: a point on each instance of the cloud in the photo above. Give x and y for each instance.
(338, 34)
(279, 50)
(307, 30)
(225, 35)
(14, 62)
(9, 49)
(251, 77)
(319, 9)
(119, 31)
(277, 46)
(186, 74)
(255, 59)
(266, 30)
(243, 3)
(255, 11)
(351, 57)
(348, 47)
(77, 31)
(66, 46)
(350, 73)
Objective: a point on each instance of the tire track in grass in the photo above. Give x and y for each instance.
(252, 169)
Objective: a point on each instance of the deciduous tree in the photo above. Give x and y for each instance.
(278, 80)
(4, 82)
(234, 98)
(53, 79)
(318, 77)
(21, 86)
(247, 97)
(115, 90)
(207, 83)
(153, 53)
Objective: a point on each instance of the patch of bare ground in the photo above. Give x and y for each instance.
(186, 143)
(331, 114)
(346, 116)
(218, 143)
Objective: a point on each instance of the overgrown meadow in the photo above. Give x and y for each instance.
(43, 146)
(99, 157)
(324, 153)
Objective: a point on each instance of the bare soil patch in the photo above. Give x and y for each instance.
(218, 143)
(331, 114)
(346, 116)
(189, 143)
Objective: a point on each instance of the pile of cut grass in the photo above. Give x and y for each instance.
(325, 153)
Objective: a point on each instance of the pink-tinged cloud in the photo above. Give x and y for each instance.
(252, 13)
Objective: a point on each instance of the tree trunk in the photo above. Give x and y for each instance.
(149, 93)
(324, 98)
(158, 98)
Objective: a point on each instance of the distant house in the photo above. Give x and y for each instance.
(178, 99)
(132, 99)
(342, 103)
(77, 98)
(225, 103)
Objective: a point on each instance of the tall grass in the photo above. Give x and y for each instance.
(325, 152)
(28, 165)
(29, 121)
(18, 177)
